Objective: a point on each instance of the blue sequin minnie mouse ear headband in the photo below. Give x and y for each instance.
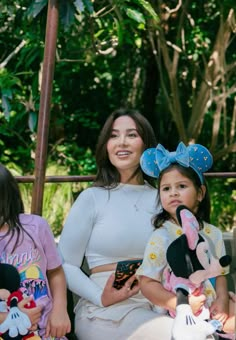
(196, 156)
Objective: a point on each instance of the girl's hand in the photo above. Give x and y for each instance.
(4, 294)
(196, 302)
(112, 295)
(58, 324)
(232, 296)
(219, 309)
(34, 314)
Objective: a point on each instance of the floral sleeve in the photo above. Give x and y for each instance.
(154, 261)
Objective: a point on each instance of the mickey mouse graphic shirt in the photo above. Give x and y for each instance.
(32, 257)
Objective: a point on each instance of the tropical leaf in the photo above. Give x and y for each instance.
(33, 117)
(67, 13)
(79, 5)
(6, 106)
(148, 7)
(118, 30)
(135, 15)
(89, 6)
(8, 80)
(35, 8)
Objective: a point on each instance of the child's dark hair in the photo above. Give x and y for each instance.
(203, 213)
(11, 206)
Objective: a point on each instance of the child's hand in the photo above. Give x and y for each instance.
(4, 294)
(58, 324)
(219, 309)
(196, 302)
(33, 313)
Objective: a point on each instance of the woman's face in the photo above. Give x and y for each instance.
(125, 147)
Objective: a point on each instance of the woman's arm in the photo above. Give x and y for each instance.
(72, 246)
(58, 323)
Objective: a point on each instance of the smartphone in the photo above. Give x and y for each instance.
(124, 270)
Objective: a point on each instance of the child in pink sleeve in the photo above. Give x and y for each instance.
(27, 243)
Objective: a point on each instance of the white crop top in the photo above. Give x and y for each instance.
(106, 226)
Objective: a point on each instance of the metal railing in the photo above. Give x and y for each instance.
(90, 178)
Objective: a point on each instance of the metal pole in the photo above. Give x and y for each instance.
(45, 103)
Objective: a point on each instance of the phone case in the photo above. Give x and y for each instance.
(124, 270)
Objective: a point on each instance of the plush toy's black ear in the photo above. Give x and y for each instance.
(178, 210)
(9, 277)
(179, 258)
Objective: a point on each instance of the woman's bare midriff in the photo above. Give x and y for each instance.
(106, 267)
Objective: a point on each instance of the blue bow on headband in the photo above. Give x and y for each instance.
(196, 156)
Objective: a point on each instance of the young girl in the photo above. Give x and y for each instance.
(26, 242)
(180, 182)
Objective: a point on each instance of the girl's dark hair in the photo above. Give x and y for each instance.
(11, 205)
(203, 213)
(107, 174)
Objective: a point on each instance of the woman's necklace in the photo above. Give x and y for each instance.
(134, 203)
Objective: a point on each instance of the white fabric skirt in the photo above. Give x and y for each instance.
(132, 319)
(129, 319)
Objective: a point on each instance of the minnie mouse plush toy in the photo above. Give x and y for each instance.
(192, 261)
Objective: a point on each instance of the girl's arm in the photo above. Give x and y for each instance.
(230, 324)
(220, 307)
(159, 296)
(58, 322)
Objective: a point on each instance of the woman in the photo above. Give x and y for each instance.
(111, 222)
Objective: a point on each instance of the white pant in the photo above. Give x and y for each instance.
(138, 324)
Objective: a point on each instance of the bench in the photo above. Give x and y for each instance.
(230, 245)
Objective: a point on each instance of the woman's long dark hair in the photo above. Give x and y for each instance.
(11, 205)
(203, 213)
(107, 174)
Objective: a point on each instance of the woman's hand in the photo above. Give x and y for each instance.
(112, 295)
(196, 302)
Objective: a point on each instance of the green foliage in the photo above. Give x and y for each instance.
(58, 197)
(223, 198)
(77, 160)
(25, 188)
(105, 59)
(36, 7)
(8, 82)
